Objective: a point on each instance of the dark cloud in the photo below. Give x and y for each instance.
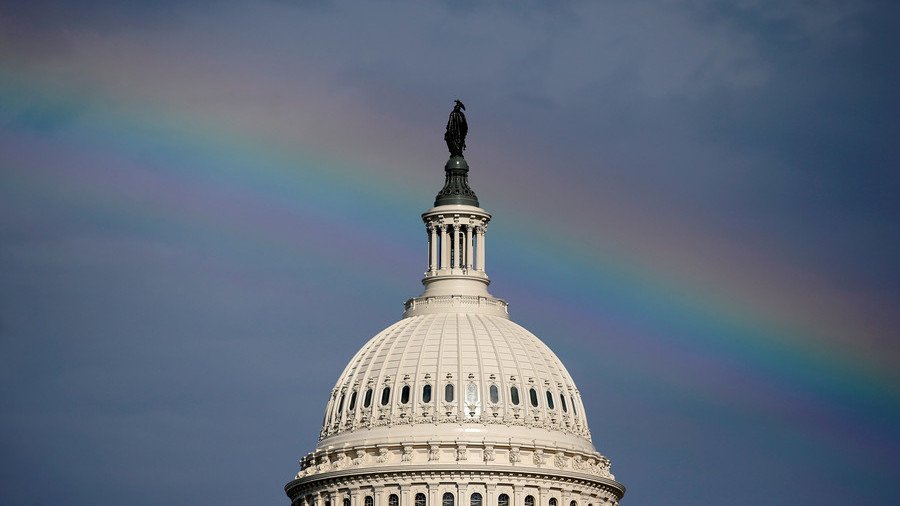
(154, 362)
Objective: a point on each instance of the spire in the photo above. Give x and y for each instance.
(456, 227)
(456, 182)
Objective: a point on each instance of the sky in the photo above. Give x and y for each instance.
(206, 208)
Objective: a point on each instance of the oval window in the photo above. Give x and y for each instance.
(562, 402)
(385, 396)
(341, 404)
(448, 392)
(532, 393)
(352, 401)
(514, 395)
(471, 393)
(475, 500)
(495, 394)
(404, 394)
(550, 399)
(426, 394)
(367, 401)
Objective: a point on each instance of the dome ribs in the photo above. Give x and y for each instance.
(419, 379)
(470, 346)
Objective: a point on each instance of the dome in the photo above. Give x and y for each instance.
(461, 369)
(455, 404)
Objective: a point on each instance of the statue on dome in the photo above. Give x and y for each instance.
(455, 136)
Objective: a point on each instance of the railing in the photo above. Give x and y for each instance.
(439, 303)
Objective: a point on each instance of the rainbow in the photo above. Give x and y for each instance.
(148, 163)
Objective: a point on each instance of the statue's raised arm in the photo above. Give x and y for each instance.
(455, 136)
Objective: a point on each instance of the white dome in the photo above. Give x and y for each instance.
(463, 370)
(455, 403)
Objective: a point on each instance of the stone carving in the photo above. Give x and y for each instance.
(578, 463)
(603, 468)
(434, 453)
(360, 457)
(560, 460)
(382, 455)
(539, 457)
(407, 453)
(514, 455)
(488, 453)
(461, 452)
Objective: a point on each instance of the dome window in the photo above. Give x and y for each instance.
(370, 501)
(367, 401)
(341, 404)
(393, 500)
(573, 503)
(562, 402)
(448, 499)
(529, 500)
(404, 396)
(346, 501)
(385, 396)
(495, 394)
(552, 501)
(574, 411)
(352, 405)
(420, 499)
(550, 400)
(514, 396)
(472, 393)
(448, 392)
(475, 500)
(503, 500)
(426, 394)
(532, 393)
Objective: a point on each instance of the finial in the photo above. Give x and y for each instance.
(455, 136)
(456, 185)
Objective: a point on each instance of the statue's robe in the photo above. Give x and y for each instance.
(456, 132)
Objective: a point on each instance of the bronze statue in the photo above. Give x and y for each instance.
(455, 136)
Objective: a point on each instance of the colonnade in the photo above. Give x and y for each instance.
(455, 246)
(462, 492)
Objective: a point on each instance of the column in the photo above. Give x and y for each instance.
(405, 498)
(432, 494)
(480, 237)
(490, 495)
(445, 248)
(469, 247)
(456, 248)
(432, 248)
